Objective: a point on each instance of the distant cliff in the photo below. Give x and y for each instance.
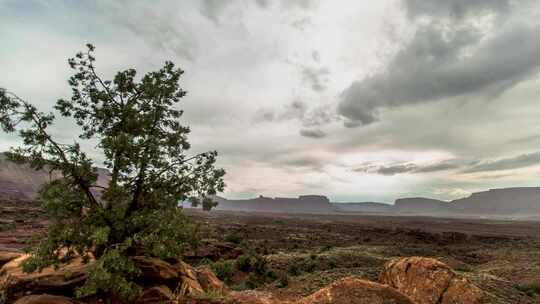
(367, 207)
(505, 201)
(302, 204)
(421, 205)
(20, 182)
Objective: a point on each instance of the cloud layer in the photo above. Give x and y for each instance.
(356, 100)
(462, 48)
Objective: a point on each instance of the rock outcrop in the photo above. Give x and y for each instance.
(45, 299)
(156, 294)
(352, 290)
(429, 281)
(15, 283)
(209, 281)
(158, 280)
(410, 280)
(7, 256)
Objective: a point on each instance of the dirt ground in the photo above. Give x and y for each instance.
(501, 257)
(295, 255)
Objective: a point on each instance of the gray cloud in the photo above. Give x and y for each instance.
(397, 169)
(520, 161)
(301, 4)
(442, 166)
(454, 8)
(263, 3)
(212, 9)
(298, 110)
(477, 166)
(156, 30)
(319, 115)
(447, 59)
(316, 77)
(301, 24)
(313, 133)
(316, 56)
(411, 168)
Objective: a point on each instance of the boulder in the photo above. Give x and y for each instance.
(356, 291)
(209, 281)
(429, 281)
(7, 256)
(188, 283)
(155, 270)
(45, 299)
(157, 294)
(15, 283)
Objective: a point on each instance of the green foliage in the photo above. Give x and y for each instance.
(529, 289)
(253, 281)
(294, 269)
(136, 125)
(234, 238)
(224, 270)
(260, 265)
(243, 263)
(283, 281)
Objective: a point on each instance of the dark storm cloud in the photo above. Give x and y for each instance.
(313, 133)
(442, 166)
(411, 168)
(476, 166)
(397, 169)
(447, 59)
(520, 161)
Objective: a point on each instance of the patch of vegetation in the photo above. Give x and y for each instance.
(283, 281)
(224, 270)
(529, 289)
(243, 263)
(135, 122)
(7, 227)
(235, 238)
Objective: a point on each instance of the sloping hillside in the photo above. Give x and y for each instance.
(20, 182)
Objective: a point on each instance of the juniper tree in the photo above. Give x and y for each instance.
(145, 147)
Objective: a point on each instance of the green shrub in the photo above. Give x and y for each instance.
(529, 289)
(234, 238)
(223, 270)
(293, 269)
(205, 261)
(283, 281)
(309, 265)
(243, 263)
(271, 275)
(260, 265)
(253, 281)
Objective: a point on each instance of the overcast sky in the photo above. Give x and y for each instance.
(356, 100)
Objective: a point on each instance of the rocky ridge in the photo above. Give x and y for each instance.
(403, 281)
